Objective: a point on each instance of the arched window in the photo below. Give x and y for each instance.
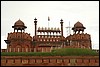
(40, 39)
(26, 49)
(39, 36)
(10, 48)
(18, 49)
(53, 39)
(50, 39)
(14, 49)
(34, 49)
(45, 36)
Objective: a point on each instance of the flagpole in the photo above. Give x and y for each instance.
(48, 23)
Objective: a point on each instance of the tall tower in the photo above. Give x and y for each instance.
(18, 41)
(61, 27)
(79, 38)
(35, 23)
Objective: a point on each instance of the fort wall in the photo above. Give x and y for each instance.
(49, 60)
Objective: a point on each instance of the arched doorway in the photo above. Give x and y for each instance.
(18, 48)
(26, 48)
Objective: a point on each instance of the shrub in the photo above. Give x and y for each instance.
(74, 52)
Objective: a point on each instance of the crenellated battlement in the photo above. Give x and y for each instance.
(48, 38)
(81, 36)
(48, 29)
(49, 60)
(19, 35)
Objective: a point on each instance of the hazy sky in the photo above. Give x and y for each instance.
(87, 12)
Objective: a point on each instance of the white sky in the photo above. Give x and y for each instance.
(87, 12)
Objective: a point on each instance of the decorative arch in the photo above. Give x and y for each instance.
(9, 48)
(18, 48)
(26, 48)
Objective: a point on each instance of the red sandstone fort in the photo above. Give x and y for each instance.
(19, 41)
(45, 40)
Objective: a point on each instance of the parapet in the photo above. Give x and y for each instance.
(19, 35)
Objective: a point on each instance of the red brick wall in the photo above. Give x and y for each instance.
(3, 50)
(49, 60)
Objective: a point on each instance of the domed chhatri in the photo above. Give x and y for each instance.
(19, 25)
(78, 24)
(78, 27)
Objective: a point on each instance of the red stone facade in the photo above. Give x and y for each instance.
(49, 60)
(46, 39)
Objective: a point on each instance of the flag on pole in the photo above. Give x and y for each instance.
(48, 18)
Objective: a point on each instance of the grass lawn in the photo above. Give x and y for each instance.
(56, 52)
